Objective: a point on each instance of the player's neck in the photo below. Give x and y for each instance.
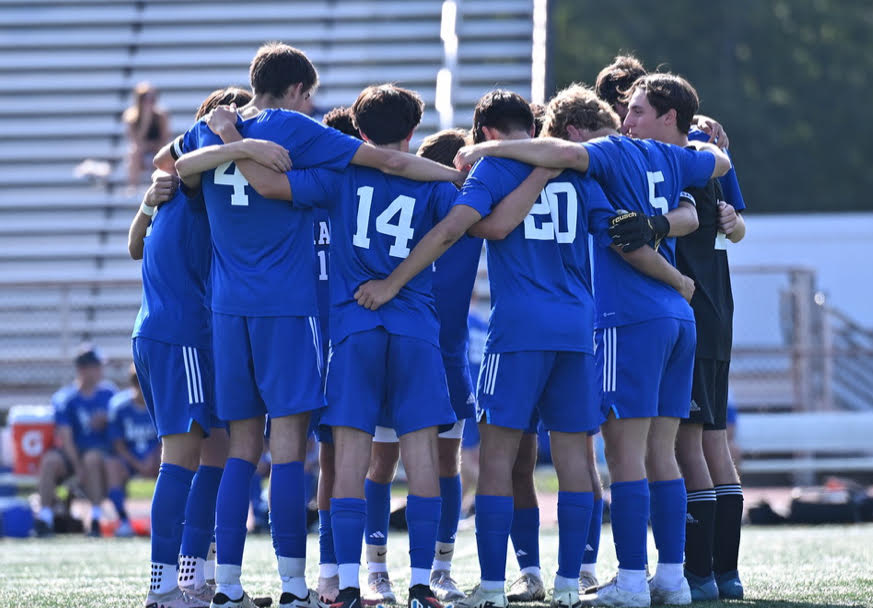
(677, 138)
(402, 146)
(259, 103)
(514, 135)
(86, 389)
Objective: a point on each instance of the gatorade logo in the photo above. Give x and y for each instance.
(32, 443)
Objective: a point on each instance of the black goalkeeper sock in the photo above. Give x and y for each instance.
(700, 532)
(728, 519)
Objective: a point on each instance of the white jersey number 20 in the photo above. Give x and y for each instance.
(402, 231)
(549, 204)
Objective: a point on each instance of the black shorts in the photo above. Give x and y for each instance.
(709, 394)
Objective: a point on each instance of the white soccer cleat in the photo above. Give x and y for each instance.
(328, 589)
(611, 594)
(444, 587)
(527, 588)
(565, 598)
(587, 583)
(174, 599)
(289, 600)
(681, 596)
(379, 590)
(480, 598)
(204, 592)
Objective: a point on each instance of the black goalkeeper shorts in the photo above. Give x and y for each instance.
(709, 393)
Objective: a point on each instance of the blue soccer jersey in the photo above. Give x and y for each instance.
(77, 411)
(647, 177)
(730, 186)
(453, 279)
(131, 423)
(263, 249)
(540, 273)
(175, 270)
(375, 221)
(321, 226)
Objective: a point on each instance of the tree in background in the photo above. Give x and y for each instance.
(791, 80)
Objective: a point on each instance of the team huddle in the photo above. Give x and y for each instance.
(316, 278)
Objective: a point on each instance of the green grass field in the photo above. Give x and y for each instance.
(782, 567)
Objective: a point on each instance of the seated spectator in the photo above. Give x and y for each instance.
(148, 128)
(135, 444)
(82, 440)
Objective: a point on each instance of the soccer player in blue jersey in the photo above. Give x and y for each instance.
(453, 281)
(135, 445)
(645, 345)
(172, 346)
(81, 419)
(702, 256)
(261, 328)
(539, 353)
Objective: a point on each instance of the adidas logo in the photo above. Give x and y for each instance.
(694, 406)
(589, 547)
(377, 535)
(520, 553)
(471, 399)
(689, 519)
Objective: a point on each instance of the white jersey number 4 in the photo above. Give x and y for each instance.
(549, 204)
(400, 208)
(235, 180)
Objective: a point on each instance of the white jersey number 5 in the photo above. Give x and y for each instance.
(658, 202)
(402, 230)
(235, 180)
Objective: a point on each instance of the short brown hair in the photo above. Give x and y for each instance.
(442, 146)
(502, 110)
(277, 66)
(223, 97)
(667, 92)
(615, 80)
(579, 106)
(386, 113)
(539, 114)
(340, 118)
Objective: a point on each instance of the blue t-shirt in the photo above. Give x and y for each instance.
(540, 273)
(375, 221)
(321, 227)
(453, 279)
(729, 185)
(175, 272)
(262, 247)
(132, 423)
(645, 176)
(74, 410)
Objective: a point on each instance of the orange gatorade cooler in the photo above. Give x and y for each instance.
(33, 428)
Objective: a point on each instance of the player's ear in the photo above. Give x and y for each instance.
(670, 117)
(408, 137)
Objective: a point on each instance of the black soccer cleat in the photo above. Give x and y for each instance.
(421, 596)
(350, 597)
(94, 532)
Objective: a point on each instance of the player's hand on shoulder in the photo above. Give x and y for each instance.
(713, 128)
(221, 118)
(269, 154)
(466, 156)
(162, 189)
(373, 294)
(686, 288)
(630, 230)
(727, 217)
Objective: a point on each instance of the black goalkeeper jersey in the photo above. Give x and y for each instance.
(701, 255)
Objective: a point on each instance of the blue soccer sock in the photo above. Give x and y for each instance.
(450, 514)
(231, 512)
(422, 519)
(117, 495)
(668, 508)
(326, 556)
(630, 517)
(348, 518)
(525, 534)
(378, 497)
(288, 525)
(592, 547)
(168, 513)
(493, 523)
(200, 512)
(574, 518)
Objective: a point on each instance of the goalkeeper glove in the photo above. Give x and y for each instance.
(631, 230)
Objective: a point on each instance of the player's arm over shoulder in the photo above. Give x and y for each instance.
(695, 167)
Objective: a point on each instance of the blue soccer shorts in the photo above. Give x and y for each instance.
(177, 384)
(646, 368)
(377, 378)
(266, 366)
(557, 387)
(461, 390)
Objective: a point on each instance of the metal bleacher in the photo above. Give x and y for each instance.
(66, 74)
